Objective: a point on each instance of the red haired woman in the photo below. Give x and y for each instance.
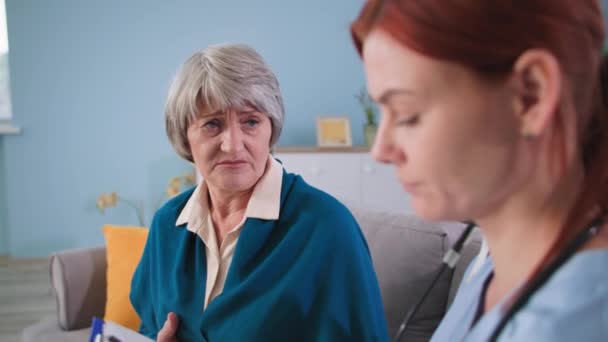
(495, 111)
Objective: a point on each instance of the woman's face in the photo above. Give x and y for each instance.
(230, 148)
(452, 136)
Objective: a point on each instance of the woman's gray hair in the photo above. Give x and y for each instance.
(221, 77)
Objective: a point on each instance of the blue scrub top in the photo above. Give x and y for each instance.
(571, 306)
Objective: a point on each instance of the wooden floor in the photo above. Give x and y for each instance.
(25, 295)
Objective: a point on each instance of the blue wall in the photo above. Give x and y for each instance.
(89, 80)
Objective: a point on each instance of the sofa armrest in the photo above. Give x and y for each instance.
(78, 280)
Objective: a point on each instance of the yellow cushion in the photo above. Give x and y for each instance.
(124, 247)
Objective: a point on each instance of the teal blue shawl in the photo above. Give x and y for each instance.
(307, 276)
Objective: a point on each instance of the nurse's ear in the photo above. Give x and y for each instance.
(537, 83)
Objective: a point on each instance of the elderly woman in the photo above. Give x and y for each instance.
(253, 253)
(496, 111)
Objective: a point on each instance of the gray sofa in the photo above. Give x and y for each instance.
(406, 253)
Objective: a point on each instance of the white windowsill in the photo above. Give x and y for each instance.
(8, 129)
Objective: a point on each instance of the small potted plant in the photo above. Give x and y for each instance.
(370, 127)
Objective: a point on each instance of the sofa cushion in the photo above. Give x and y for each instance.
(407, 253)
(124, 247)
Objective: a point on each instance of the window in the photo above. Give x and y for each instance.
(5, 98)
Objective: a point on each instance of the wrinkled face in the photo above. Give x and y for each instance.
(230, 148)
(451, 135)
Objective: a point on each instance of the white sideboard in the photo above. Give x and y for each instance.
(350, 175)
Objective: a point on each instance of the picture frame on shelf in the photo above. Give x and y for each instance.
(334, 131)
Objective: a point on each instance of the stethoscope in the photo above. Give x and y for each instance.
(452, 256)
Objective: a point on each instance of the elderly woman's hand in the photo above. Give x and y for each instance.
(169, 329)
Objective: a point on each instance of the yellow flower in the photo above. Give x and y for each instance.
(174, 182)
(189, 178)
(172, 190)
(101, 204)
(113, 199)
(106, 200)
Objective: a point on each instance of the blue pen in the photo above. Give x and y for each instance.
(96, 330)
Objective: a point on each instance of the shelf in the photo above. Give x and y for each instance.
(316, 149)
(7, 129)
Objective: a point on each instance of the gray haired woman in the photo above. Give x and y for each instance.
(253, 253)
